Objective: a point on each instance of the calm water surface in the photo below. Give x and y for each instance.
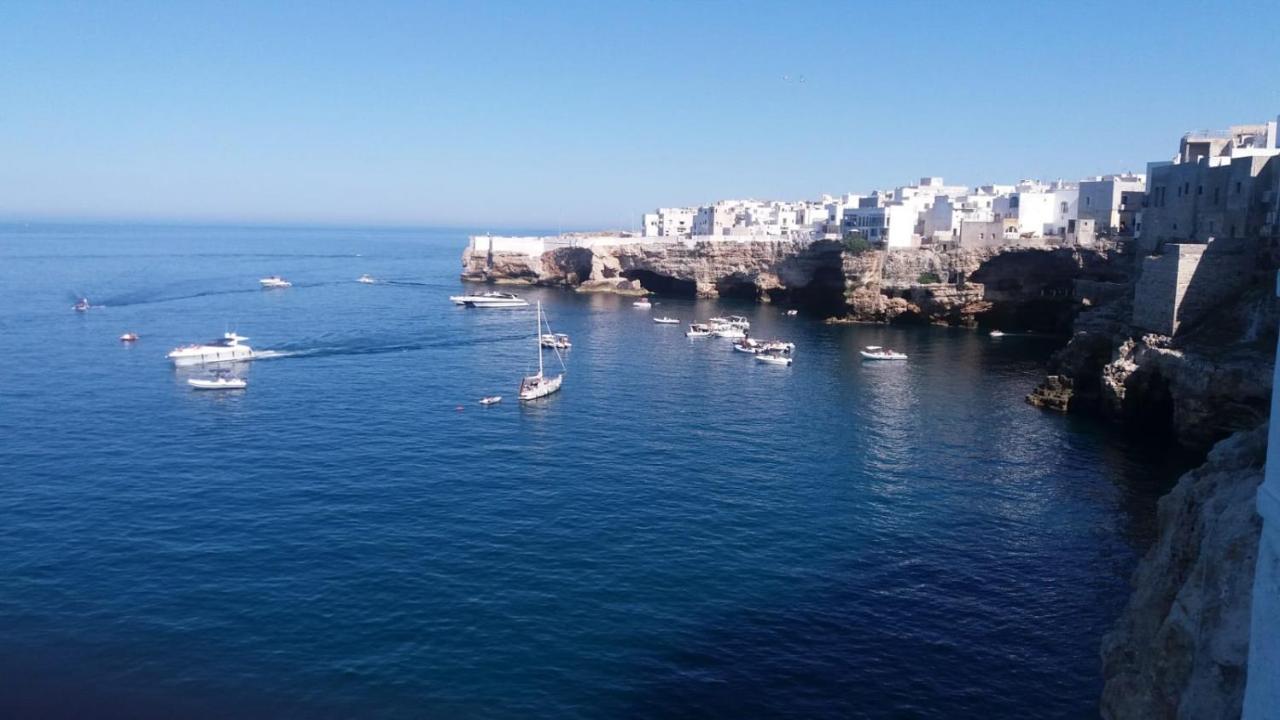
(681, 532)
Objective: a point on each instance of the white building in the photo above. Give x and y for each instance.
(1041, 210)
(669, 222)
(1112, 202)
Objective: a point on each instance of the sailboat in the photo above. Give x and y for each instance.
(537, 386)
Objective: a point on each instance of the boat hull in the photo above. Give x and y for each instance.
(876, 356)
(197, 384)
(541, 389)
(211, 357)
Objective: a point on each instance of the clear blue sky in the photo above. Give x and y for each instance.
(587, 114)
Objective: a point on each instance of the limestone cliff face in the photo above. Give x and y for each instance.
(1180, 649)
(921, 285)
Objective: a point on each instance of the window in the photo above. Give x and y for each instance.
(1237, 187)
(1215, 195)
(1199, 190)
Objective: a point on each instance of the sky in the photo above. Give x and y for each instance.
(587, 114)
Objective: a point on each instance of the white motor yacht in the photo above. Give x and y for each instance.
(667, 320)
(274, 282)
(228, 349)
(367, 279)
(778, 346)
(733, 321)
(490, 300)
(556, 341)
(537, 386)
(875, 352)
(697, 330)
(731, 332)
(219, 381)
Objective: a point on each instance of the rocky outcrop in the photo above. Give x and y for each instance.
(1020, 287)
(1180, 648)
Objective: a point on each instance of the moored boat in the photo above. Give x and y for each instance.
(731, 332)
(491, 400)
(732, 321)
(642, 303)
(667, 320)
(537, 386)
(697, 330)
(82, 305)
(274, 282)
(875, 352)
(773, 358)
(557, 341)
(129, 337)
(367, 279)
(747, 345)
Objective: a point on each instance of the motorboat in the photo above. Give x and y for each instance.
(667, 320)
(82, 305)
(537, 386)
(556, 341)
(642, 303)
(491, 400)
(733, 321)
(778, 346)
(129, 337)
(367, 279)
(492, 300)
(227, 349)
(773, 358)
(747, 345)
(274, 282)
(792, 313)
(875, 352)
(731, 332)
(219, 381)
(697, 330)
(996, 333)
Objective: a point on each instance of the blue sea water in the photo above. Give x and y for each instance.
(680, 532)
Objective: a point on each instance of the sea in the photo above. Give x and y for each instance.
(680, 532)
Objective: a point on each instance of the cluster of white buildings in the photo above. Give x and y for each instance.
(927, 213)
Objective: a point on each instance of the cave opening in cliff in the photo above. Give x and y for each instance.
(824, 295)
(663, 285)
(1148, 404)
(738, 288)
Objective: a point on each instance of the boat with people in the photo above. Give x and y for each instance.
(733, 321)
(664, 320)
(129, 337)
(491, 400)
(875, 352)
(773, 358)
(219, 380)
(643, 303)
(490, 300)
(557, 341)
(82, 305)
(778, 346)
(367, 279)
(747, 345)
(274, 282)
(697, 330)
(732, 332)
(227, 349)
(533, 387)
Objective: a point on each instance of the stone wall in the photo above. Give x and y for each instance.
(1186, 283)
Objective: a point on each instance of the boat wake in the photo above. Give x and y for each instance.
(144, 297)
(366, 347)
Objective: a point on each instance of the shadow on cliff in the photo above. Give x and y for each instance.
(662, 285)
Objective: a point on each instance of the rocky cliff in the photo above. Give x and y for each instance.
(1016, 287)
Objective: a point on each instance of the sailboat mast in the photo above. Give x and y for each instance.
(537, 336)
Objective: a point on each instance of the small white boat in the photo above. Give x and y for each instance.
(218, 382)
(667, 320)
(697, 330)
(82, 305)
(274, 282)
(747, 345)
(642, 303)
(792, 313)
(557, 341)
(491, 400)
(875, 352)
(537, 386)
(367, 279)
(733, 321)
(996, 333)
(778, 346)
(490, 300)
(129, 337)
(228, 349)
(773, 358)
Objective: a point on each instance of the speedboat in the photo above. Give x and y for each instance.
(227, 349)
(698, 330)
(129, 337)
(733, 321)
(274, 282)
(731, 332)
(220, 381)
(367, 279)
(773, 358)
(82, 305)
(491, 400)
(792, 313)
(537, 386)
(557, 341)
(875, 352)
(667, 320)
(996, 333)
(642, 303)
(490, 300)
(747, 345)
